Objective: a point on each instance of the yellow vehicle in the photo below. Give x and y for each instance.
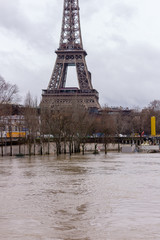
(16, 134)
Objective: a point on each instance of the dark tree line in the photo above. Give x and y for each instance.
(70, 128)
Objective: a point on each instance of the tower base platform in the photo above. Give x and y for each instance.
(69, 97)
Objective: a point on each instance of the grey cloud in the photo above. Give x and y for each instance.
(128, 76)
(38, 33)
(118, 39)
(123, 11)
(16, 69)
(10, 13)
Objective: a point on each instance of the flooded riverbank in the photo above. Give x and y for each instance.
(113, 197)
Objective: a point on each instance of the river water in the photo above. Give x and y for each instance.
(114, 197)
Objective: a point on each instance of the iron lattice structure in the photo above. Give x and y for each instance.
(70, 53)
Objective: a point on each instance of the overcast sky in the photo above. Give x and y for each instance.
(121, 37)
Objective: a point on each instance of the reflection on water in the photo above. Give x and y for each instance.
(114, 197)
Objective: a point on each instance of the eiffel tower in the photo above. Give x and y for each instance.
(70, 53)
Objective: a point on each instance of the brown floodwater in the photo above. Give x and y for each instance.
(114, 197)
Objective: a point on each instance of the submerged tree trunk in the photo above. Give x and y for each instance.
(83, 148)
(34, 144)
(48, 146)
(95, 149)
(29, 145)
(70, 148)
(11, 150)
(105, 146)
(2, 154)
(29, 148)
(119, 145)
(58, 148)
(19, 146)
(76, 147)
(64, 147)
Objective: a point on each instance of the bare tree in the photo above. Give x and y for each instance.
(8, 92)
(105, 126)
(84, 123)
(31, 121)
(8, 95)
